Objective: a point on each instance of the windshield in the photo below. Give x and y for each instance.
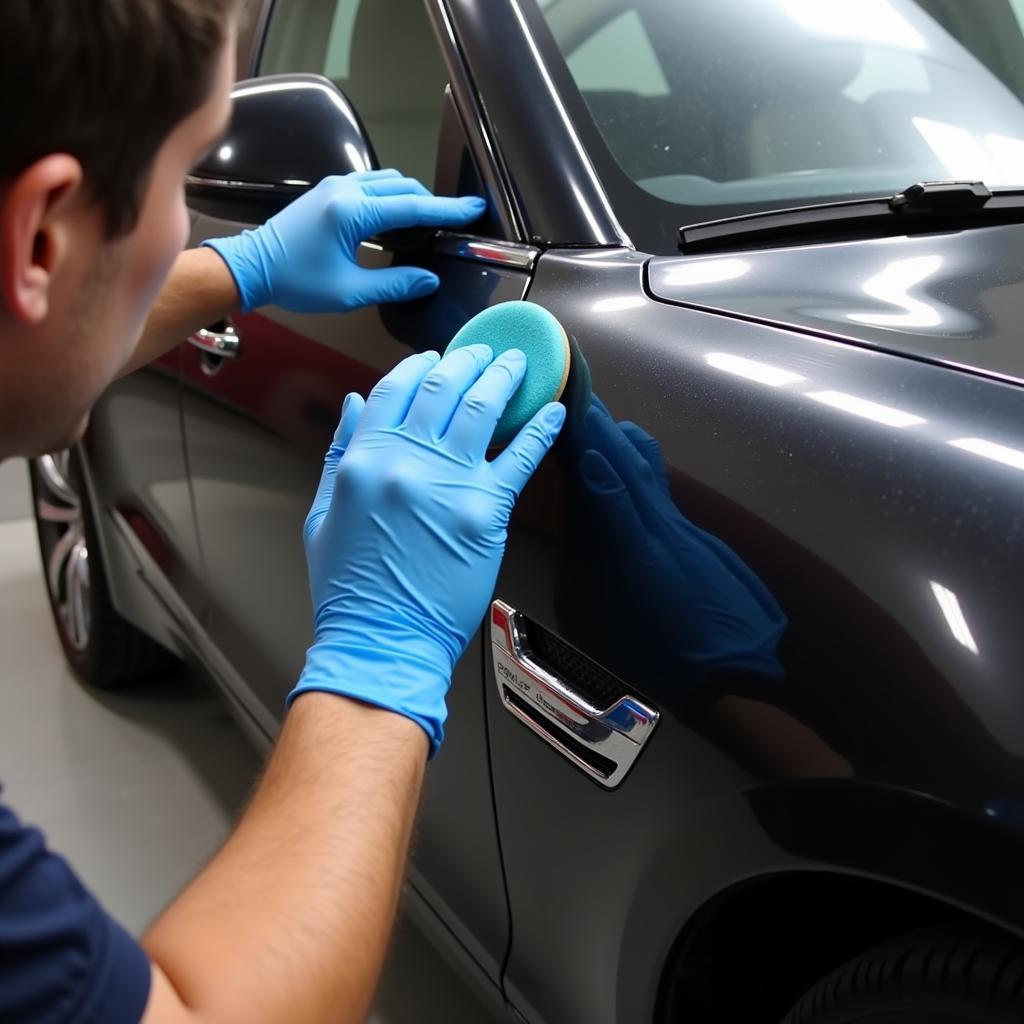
(730, 106)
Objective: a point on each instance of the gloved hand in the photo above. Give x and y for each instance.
(408, 528)
(304, 258)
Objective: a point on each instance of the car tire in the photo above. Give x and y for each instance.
(103, 649)
(937, 976)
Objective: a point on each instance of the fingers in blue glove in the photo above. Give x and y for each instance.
(395, 186)
(472, 426)
(390, 399)
(376, 175)
(390, 213)
(517, 463)
(351, 412)
(405, 559)
(305, 258)
(442, 389)
(395, 284)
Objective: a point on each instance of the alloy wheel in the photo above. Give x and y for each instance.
(59, 510)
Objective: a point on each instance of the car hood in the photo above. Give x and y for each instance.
(955, 298)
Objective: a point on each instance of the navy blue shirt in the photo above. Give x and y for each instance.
(62, 959)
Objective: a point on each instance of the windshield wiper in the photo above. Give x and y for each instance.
(926, 206)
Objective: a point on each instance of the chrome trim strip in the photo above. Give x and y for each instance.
(480, 250)
(198, 181)
(615, 734)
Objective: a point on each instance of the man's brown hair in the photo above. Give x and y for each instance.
(105, 81)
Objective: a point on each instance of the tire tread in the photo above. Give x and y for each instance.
(966, 965)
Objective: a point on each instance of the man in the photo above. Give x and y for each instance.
(108, 104)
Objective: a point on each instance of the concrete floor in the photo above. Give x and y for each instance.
(137, 790)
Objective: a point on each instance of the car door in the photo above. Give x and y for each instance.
(762, 583)
(257, 427)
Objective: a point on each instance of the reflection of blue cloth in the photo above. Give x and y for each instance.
(667, 602)
(61, 958)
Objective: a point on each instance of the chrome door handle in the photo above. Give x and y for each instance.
(219, 340)
(603, 739)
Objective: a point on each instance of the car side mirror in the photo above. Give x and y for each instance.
(287, 133)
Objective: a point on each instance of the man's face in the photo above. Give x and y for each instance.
(98, 292)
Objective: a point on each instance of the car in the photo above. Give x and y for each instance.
(741, 737)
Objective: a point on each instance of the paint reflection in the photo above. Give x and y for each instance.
(685, 602)
(949, 605)
(670, 608)
(752, 369)
(857, 406)
(892, 286)
(1008, 456)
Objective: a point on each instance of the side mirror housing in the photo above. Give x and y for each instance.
(287, 133)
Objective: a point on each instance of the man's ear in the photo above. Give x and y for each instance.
(34, 237)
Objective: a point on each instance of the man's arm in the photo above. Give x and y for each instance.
(305, 259)
(198, 292)
(290, 921)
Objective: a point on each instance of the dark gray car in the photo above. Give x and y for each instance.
(741, 739)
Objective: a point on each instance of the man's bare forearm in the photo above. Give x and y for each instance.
(290, 921)
(199, 291)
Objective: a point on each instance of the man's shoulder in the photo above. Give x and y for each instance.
(62, 957)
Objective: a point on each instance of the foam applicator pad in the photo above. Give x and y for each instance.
(532, 329)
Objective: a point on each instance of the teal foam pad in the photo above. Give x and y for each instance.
(531, 328)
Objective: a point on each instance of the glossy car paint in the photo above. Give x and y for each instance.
(873, 489)
(850, 522)
(134, 460)
(955, 298)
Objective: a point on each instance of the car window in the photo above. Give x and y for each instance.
(619, 56)
(743, 103)
(394, 78)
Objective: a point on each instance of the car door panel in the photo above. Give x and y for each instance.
(137, 473)
(850, 517)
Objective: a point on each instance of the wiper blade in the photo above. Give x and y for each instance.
(927, 205)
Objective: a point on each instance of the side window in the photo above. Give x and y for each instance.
(383, 55)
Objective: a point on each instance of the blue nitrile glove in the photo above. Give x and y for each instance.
(408, 528)
(304, 258)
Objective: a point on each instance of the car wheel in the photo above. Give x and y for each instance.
(938, 976)
(104, 650)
